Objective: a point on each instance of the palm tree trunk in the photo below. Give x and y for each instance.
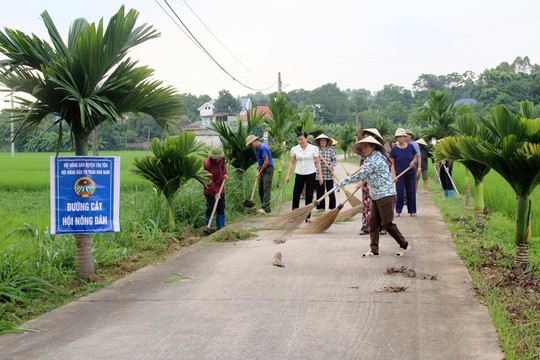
(523, 230)
(170, 205)
(280, 171)
(467, 187)
(479, 199)
(84, 264)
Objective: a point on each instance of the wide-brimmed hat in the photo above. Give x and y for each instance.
(216, 153)
(371, 140)
(310, 139)
(371, 131)
(421, 142)
(409, 132)
(250, 139)
(322, 136)
(400, 132)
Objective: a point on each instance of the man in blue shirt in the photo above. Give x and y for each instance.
(265, 171)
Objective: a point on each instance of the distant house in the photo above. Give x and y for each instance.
(207, 136)
(208, 116)
(466, 102)
(259, 110)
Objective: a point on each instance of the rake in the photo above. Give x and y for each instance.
(354, 201)
(295, 217)
(323, 222)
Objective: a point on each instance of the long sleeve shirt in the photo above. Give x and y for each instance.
(217, 171)
(377, 173)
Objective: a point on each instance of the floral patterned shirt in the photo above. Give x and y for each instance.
(377, 173)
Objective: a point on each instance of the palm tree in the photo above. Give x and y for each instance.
(384, 126)
(347, 138)
(513, 152)
(437, 114)
(84, 82)
(174, 162)
(283, 122)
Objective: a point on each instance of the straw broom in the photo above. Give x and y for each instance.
(295, 217)
(325, 221)
(350, 213)
(354, 201)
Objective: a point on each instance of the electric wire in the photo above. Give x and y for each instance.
(203, 49)
(215, 37)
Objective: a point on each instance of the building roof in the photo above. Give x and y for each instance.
(259, 110)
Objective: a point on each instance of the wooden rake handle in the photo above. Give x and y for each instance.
(215, 206)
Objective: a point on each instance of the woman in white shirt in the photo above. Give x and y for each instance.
(306, 158)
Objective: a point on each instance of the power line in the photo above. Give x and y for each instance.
(202, 48)
(215, 37)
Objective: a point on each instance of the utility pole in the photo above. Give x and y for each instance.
(356, 111)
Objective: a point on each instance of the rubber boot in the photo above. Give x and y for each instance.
(220, 221)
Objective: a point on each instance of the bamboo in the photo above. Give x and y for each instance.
(323, 222)
(354, 201)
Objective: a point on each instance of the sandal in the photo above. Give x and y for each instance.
(398, 214)
(370, 254)
(414, 214)
(402, 251)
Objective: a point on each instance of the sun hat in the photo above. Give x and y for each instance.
(250, 139)
(310, 139)
(370, 140)
(400, 132)
(421, 142)
(216, 153)
(322, 136)
(409, 132)
(371, 131)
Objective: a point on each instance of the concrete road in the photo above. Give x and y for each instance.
(326, 303)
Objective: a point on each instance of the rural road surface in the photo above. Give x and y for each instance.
(326, 303)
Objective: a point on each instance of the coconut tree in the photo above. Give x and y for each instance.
(179, 159)
(513, 152)
(283, 122)
(83, 82)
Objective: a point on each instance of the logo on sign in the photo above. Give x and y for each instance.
(85, 187)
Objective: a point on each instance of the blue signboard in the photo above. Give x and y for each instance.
(85, 194)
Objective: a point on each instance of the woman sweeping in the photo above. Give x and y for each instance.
(403, 157)
(215, 165)
(366, 199)
(383, 194)
(306, 158)
(328, 153)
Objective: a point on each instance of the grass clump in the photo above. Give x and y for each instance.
(232, 234)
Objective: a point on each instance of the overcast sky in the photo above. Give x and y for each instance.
(356, 44)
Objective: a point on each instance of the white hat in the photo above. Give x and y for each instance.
(371, 131)
(322, 136)
(370, 140)
(400, 132)
(250, 139)
(421, 142)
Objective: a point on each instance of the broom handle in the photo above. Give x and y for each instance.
(215, 206)
(452, 181)
(316, 202)
(328, 166)
(402, 173)
(253, 191)
(346, 172)
(350, 196)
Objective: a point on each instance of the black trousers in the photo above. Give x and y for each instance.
(321, 190)
(299, 182)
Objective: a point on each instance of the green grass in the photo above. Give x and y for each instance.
(37, 268)
(488, 251)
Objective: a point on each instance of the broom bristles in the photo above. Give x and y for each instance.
(354, 201)
(322, 223)
(350, 213)
(294, 218)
